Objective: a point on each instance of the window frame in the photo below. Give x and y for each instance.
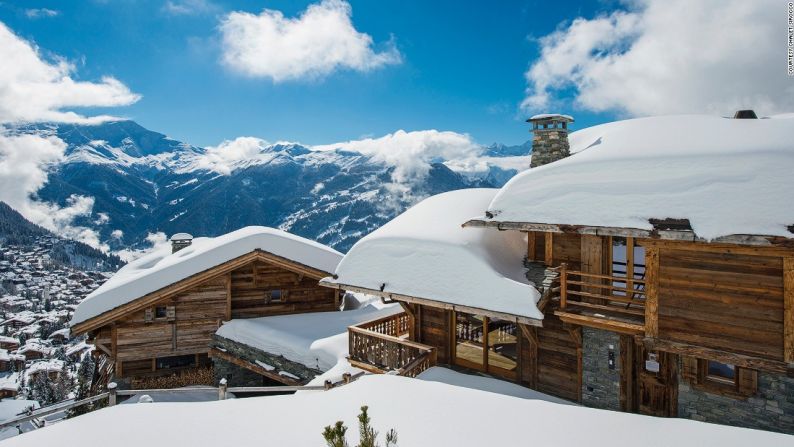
(484, 365)
(743, 385)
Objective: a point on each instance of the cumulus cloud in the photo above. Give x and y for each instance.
(154, 240)
(37, 13)
(318, 42)
(411, 153)
(667, 56)
(189, 7)
(224, 157)
(34, 89)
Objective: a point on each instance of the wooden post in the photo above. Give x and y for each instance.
(347, 378)
(222, 387)
(630, 267)
(112, 394)
(328, 385)
(652, 292)
(549, 249)
(788, 310)
(531, 245)
(563, 285)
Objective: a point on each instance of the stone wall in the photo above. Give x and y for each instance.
(772, 407)
(239, 376)
(600, 384)
(549, 145)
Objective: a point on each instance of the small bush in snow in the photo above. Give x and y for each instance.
(368, 436)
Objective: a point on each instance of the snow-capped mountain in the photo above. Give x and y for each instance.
(144, 182)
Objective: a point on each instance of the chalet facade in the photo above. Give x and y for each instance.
(690, 316)
(158, 315)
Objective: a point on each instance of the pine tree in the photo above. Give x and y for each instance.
(85, 376)
(335, 435)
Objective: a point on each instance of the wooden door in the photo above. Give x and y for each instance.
(643, 390)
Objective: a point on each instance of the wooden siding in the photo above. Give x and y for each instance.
(193, 315)
(435, 330)
(567, 248)
(725, 301)
(251, 285)
(558, 361)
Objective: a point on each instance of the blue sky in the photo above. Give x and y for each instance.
(462, 68)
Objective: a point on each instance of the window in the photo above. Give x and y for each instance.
(275, 296)
(160, 312)
(720, 371)
(486, 344)
(717, 377)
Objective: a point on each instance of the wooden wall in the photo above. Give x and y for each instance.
(251, 284)
(436, 330)
(558, 361)
(722, 300)
(566, 248)
(199, 311)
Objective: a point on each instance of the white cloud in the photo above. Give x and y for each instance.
(189, 7)
(667, 56)
(117, 234)
(34, 89)
(318, 42)
(37, 13)
(411, 153)
(155, 241)
(224, 157)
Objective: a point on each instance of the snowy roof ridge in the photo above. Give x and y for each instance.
(426, 253)
(724, 176)
(162, 268)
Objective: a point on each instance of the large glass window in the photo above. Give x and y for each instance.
(486, 344)
(502, 346)
(469, 339)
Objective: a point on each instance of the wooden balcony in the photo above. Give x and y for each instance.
(382, 346)
(610, 302)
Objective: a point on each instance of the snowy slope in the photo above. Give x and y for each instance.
(727, 176)
(424, 413)
(426, 253)
(161, 268)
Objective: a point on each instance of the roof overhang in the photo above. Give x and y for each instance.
(191, 281)
(662, 234)
(434, 303)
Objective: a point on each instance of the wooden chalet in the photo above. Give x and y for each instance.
(653, 319)
(159, 313)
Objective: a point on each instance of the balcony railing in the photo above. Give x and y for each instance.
(382, 346)
(605, 299)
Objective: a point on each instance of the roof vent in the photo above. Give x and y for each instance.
(745, 115)
(180, 241)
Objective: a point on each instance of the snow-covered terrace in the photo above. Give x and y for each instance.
(425, 254)
(423, 412)
(727, 177)
(162, 268)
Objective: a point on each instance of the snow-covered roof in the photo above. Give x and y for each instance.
(425, 253)
(424, 413)
(316, 340)
(162, 268)
(726, 176)
(543, 116)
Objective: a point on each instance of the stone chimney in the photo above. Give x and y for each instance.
(550, 139)
(180, 241)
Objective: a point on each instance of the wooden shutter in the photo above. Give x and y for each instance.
(747, 381)
(170, 312)
(148, 315)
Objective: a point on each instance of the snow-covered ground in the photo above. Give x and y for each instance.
(424, 413)
(317, 340)
(162, 268)
(425, 253)
(12, 408)
(727, 176)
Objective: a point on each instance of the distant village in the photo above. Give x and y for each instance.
(38, 358)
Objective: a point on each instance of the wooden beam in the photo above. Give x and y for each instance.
(412, 330)
(216, 353)
(549, 247)
(531, 246)
(651, 292)
(788, 310)
(601, 323)
(746, 361)
(228, 296)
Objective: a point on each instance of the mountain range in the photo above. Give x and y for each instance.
(143, 182)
